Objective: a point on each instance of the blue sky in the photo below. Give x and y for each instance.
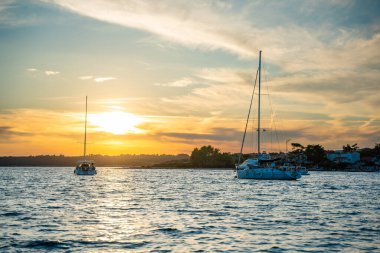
(185, 69)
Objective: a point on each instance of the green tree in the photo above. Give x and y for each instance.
(297, 153)
(315, 154)
(349, 148)
(376, 149)
(370, 152)
(297, 147)
(208, 157)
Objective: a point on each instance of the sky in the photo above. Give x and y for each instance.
(168, 76)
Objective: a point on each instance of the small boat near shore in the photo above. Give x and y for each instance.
(263, 167)
(85, 167)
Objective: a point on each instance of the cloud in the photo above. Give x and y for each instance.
(9, 17)
(229, 139)
(184, 82)
(210, 26)
(46, 72)
(185, 23)
(51, 73)
(304, 100)
(6, 133)
(215, 134)
(5, 4)
(221, 92)
(227, 75)
(97, 79)
(333, 86)
(104, 79)
(85, 77)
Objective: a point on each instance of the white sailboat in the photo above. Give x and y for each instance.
(85, 167)
(263, 167)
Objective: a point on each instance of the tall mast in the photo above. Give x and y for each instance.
(85, 133)
(258, 112)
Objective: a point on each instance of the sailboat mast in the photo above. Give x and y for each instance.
(85, 133)
(258, 112)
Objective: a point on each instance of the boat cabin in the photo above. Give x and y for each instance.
(86, 165)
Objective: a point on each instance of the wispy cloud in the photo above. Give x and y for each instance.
(99, 79)
(6, 133)
(227, 75)
(335, 87)
(103, 79)
(51, 72)
(46, 72)
(188, 23)
(184, 82)
(210, 26)
(215, 134)
(5, 4)
(10, 14)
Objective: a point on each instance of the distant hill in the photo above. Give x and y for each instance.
(101, 160)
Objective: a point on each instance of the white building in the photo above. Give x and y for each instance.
(339, 156)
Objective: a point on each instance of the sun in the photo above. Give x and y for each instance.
(116, 122)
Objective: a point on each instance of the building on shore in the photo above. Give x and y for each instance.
(340, 156)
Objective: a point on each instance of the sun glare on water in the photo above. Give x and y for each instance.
(115, 122)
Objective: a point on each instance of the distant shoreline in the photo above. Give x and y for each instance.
(120, 167)
(180, 168)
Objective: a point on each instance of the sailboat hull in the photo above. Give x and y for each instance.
(82, 172)
(267, 174)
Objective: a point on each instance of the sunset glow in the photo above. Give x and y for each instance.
(169, 76)
(115, 122)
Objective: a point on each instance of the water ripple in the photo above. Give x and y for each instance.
(51, 209)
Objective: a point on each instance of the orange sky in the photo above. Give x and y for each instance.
(169, 76)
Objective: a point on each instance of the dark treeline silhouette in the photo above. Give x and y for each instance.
(210, 157)
(311, 156)
(203, 157)
(101, 160)
(316, 156)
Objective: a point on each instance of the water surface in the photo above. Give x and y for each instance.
(140, 210)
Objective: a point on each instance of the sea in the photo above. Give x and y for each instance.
(186, 210)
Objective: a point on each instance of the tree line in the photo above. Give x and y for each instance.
(203, 157)
(101, 160)
(316, 155)
(313, 155)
